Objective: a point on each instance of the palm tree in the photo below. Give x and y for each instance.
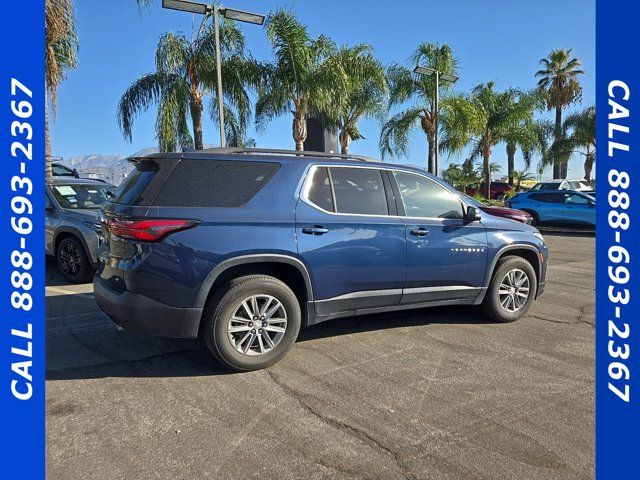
(484, 118)
(579, 132)
(559, 80)
(364, 95)
(61, 54)
(527, 134)
(462, 176)
(520, 176)
(304, 79)
(185, 74)
(407, 86)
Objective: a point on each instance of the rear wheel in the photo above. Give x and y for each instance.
(73, 261)
(252, 322)
(511, 291)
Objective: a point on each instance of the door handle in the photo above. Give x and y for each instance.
(419, 232)
(315, 230)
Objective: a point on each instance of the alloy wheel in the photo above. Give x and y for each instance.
(70, 260)
(514, 289)
(257, 325)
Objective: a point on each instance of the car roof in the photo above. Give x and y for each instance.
(77, 181)
(280, 156)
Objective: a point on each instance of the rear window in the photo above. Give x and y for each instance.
(214, 183)
(132, 188)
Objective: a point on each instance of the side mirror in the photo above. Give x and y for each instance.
(49, 209)
(472, 215)
(592, 203)
(75, 173)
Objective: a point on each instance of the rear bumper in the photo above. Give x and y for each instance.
(141, 314)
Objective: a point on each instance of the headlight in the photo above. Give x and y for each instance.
(539, 236)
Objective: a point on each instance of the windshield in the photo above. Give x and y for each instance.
(76, 197)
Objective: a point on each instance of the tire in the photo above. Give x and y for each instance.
(229, 347)
(73, 262)
(493, 305)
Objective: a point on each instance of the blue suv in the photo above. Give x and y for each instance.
(243, 247)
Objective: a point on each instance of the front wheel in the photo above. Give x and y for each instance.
(252, 322)
(511, 291)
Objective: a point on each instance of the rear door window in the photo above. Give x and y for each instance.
(548, 197)
(359, 191)
(319, 192)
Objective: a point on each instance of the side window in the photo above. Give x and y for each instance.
(576, 199)
(319, 190)
(425, 198)
(359, 191)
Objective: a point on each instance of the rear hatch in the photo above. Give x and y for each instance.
(130, 202)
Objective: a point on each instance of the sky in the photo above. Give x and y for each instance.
(500, 40)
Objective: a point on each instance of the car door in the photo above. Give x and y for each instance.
(354, 249)
(446, 256)
(548, 205)
(579, 209)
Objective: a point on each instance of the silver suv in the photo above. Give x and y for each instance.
(71, 224)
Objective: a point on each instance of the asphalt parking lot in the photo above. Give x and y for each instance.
(429, 394)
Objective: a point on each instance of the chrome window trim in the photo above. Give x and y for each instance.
(306, 185)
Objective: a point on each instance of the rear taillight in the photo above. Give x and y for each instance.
(147, 230)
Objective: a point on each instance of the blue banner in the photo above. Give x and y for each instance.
(22, 359)
(617, 241)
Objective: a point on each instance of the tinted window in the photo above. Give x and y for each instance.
(75, 196)
(577, 199)
(214, 183)
(359, 190)
(546, 186)
(61, 171)
(577, 185)
(131, 189)
(548, 197)
(320, 190)
(425, 198)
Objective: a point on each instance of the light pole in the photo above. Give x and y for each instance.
(231, 14)
(447, 77)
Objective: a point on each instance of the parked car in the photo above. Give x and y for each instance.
(575, 185)
(71, 225)
(557, 207)
(243, 247)
(59, 170)
(505, 212)
(498, 190)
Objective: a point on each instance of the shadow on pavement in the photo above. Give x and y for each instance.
(82, 343)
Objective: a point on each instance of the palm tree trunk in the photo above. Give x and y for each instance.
(588, 165)
(511, 161)
(48, 173)
(195, 104)
(557, 133)
(299, 129)
(487, 173)
(432, 154)
(344, 142)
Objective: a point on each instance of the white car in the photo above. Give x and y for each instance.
(575, 185)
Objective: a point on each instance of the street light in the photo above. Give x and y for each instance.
(231, 14)
(426, 71)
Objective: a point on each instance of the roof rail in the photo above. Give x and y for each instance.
(295, 153)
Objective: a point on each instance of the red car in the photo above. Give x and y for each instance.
(504, 212)
(498, 189)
